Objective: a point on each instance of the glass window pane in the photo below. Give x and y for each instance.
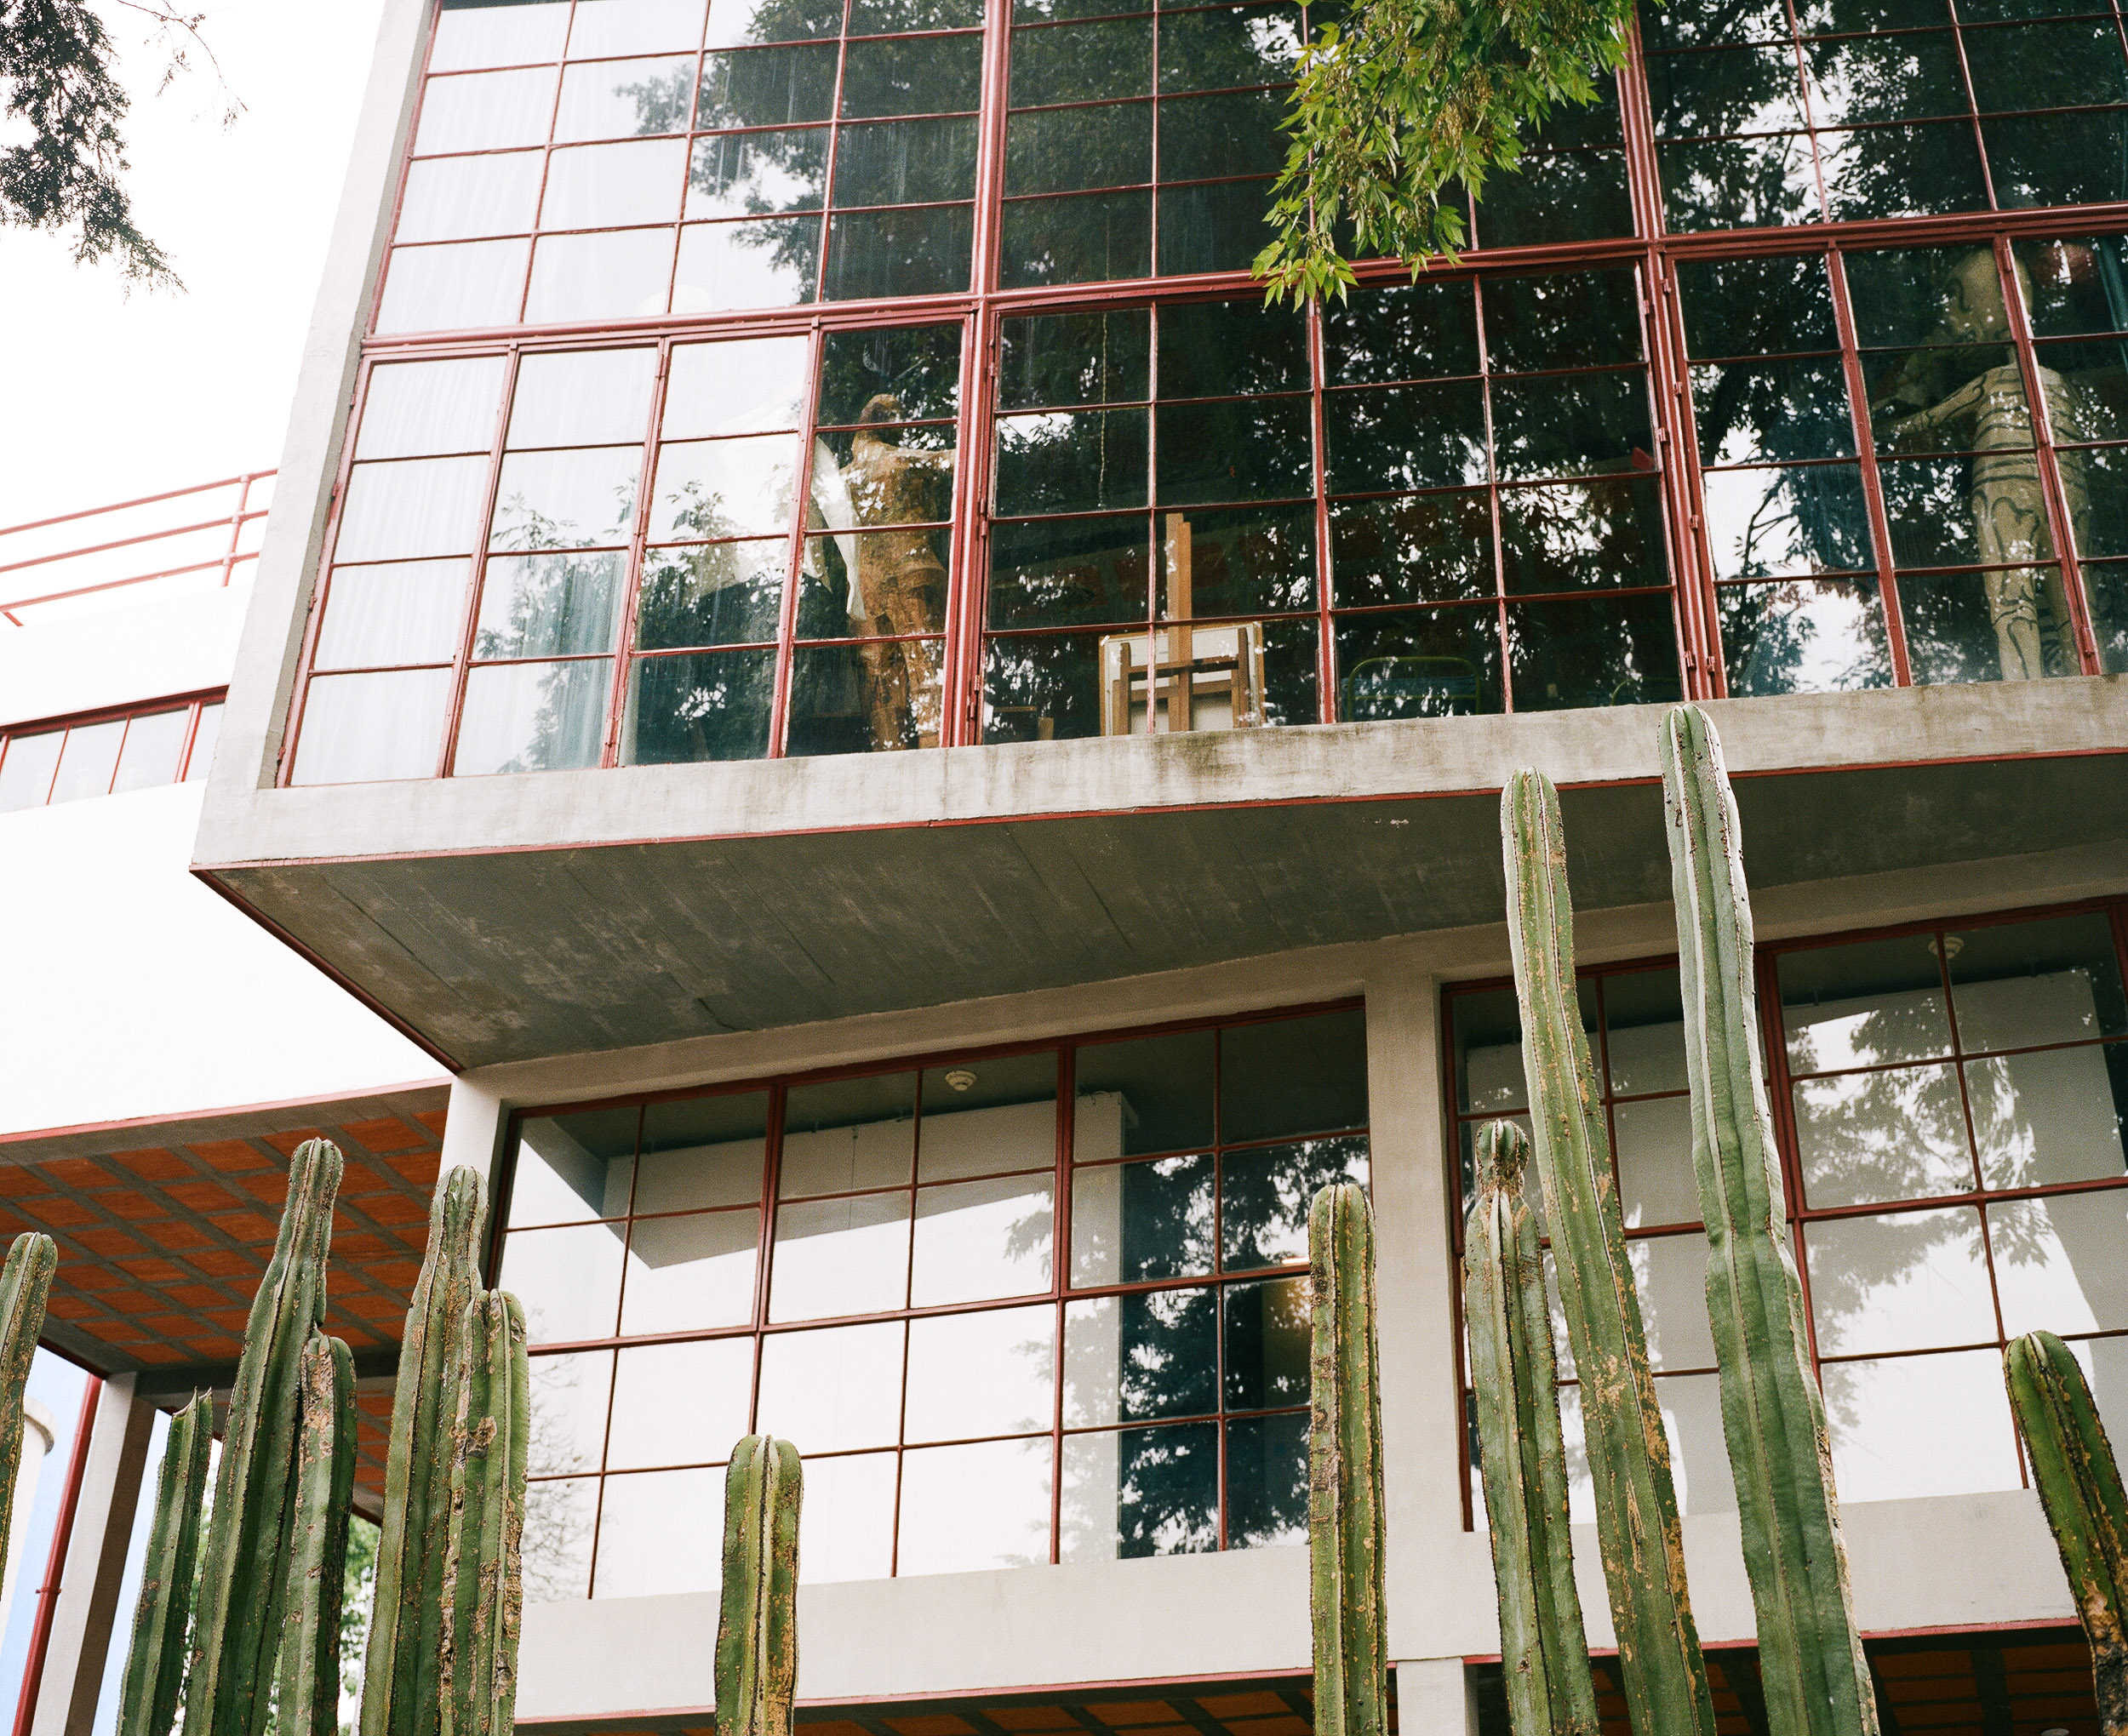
(152, 746)
(922, 76)
(768, 88)
(925, 251)
(990, 1373)
(460, 198)
(559, 1523)
(750, 387)
(2062, 1262)
(465, 286)
(1809, 518)
(772, 263)
(905, 162)
(1267, 1480)
(719, 594)
(1293, 1076)
(549, 605)
(1222, 47)
(2018, 984)
(975, 1240)
(571, 1167)
(1151, 1093)
(1915, 1426)
(473, 33)
(851, 1135)
(1141, 1492)
(840, 1388)
(988, 1117)
(672, 1403)
(1864, 1005)
(661, 1532)
(1643, 1032)
(604, 27)
(725, 488)
(846, 1256)
(964, 1509)
(401, 612)
(744, 174)
(1670, 1273)
(25, 773)
(1438, 663)
(1153, 1353)
(846, 1522)
(569, 1394)
(418, 506)
(1868, 1139)
(564, 500)
(197, 763)
(702, 1152)
(1265, 1345)
(690, 1272)
(88, 760)
(485, 110)
(595, 186)
(585, 397)
(682, 710)
(1796, 638)
(627, 99)
(569, 1280)
(1265, 1195)
(1653, 1142)
(533, 717)
(413, 409)
(865, 699)
(1134, 1221)
(1908, 1281)
(358, 728)
(621, 274)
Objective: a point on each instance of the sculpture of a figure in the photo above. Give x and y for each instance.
(897, 584)
(2029, 607)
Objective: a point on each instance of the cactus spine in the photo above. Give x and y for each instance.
(2080, 1486)
(155, 1668)
(1816, 1680)
(239, 1621)
(482, 1596)
(1544, 1647)
(1637, 1527)
(1345, 1522)
(400, 1694)
(756, 1619)
(308, 1702)
(25, 1282)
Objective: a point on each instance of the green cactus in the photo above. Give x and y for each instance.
(757, 1620)
(1344, 1520)
(482, 1596)
(2080, 1486)
(25, 1282)
(155, 1668)
(240, 1584)
(308, 1699)
(1637, 1529)
(1817, 1682)
(400, 1694)
(1543, 1647)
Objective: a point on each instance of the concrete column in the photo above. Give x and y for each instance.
(87, 1606)
(39, 1433)
(473, 1129)
(1434, 1698)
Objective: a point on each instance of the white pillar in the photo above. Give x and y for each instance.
(38, 1432)
(1434, 1698)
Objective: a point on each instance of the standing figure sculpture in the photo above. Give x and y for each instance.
(897, 582)
(1988, 416)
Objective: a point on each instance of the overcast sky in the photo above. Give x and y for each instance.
(110, 395)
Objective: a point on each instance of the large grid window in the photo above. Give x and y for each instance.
(1017, 1308)
(107, 755)
(1951, 1103)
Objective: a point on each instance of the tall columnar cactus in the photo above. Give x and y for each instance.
(2080, 1486)
(1637, 1529)
(155, 1668)
(1543, 1647)
(757, 1620)
(482, 1596)
(1816, 1680)
(400, 1692)
(25, 1282)
(1345, 1518)
(308, 1700)
(240, 1584)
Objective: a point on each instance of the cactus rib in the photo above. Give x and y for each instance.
(323, 1485)
(1544, 1649)
(1345, 1514)
(482, 1599)
(25, 1284)
(1817, 1682)
(155, 1666)
(400, 1695)
(2080, 1486)
(1637, 1528)
(757, 1620)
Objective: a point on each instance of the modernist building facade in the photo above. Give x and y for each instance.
(929, 767)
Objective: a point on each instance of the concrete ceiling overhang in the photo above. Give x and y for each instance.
(502, 919)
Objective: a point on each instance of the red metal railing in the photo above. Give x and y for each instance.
(76, 559)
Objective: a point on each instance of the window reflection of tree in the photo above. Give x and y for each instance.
(557, 1516)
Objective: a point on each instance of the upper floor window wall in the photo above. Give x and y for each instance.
(43, 764)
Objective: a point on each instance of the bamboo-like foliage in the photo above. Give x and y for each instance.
(2080, 1486)
(1637, 1529)
(756, 1619)
(400, 1694)
(26, 1284)
(308, 1701)
(1345, 1516)
(155, 1667)
(1514, 1375)
(1817, 1682)
(482, 1599)
(238, 1626)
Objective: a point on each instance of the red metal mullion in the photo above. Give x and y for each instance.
(55, 1559)
(1810, 109)
(1492, 506)
(786, 616)
(632, 580)
(1662, 381)
(405, 169)
(1971, 117)
(1773, 1039)
(1866, 455)
(478, 579)
(1156, 543)
(960, 686)
(828, 229)
(1326, 709)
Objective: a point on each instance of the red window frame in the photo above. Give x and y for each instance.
(193, 704)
